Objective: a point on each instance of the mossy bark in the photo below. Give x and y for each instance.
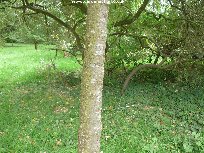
(92, 79)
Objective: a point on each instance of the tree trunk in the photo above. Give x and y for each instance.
(92, 79)
(36, 45)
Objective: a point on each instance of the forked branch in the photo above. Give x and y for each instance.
(128, 21)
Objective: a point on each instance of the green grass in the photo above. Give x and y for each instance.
(39, 109)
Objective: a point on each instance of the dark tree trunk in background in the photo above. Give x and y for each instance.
(36, 45)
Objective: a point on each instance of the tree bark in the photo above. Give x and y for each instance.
(36, 45)
(92, 79)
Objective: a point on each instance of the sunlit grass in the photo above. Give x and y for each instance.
(21, 62)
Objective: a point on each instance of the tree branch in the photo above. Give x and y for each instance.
(135, 70)
(171, 4)
(58, 20)
(128, 21)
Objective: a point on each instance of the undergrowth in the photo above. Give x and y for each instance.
(39, 107)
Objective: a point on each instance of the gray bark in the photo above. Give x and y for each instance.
(92, 79)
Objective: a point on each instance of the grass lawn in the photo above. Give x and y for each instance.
(39, 109)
